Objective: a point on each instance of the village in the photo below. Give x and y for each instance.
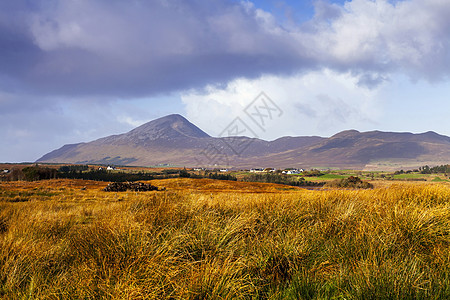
(288, 171)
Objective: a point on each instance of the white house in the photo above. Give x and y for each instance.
(293, 171)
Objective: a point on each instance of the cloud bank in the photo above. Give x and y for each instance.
(141, 48)
(379, 37)
(317, 103)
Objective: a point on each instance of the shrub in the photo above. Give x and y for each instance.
(280, 179)
(313, 173)
(73, 168)
(350, 182)
(222, 176)
(38, 173)
(184, 174)
(103, 175)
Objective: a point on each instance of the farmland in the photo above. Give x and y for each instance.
(203, 238)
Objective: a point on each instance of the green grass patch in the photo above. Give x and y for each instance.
(438, 179)
(311, 178)
(325, 177)
(411, 175)
(332, 176)
(26, 194)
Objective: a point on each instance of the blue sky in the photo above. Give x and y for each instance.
(73, 71)
(299, 11)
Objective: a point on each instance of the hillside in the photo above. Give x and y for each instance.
(174, 140)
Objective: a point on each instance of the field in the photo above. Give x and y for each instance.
(212, 239)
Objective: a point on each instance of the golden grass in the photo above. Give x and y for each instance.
(223, 240)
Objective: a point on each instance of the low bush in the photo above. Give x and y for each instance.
(281, 179)
(350, 182)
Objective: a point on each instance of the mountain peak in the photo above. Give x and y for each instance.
(167, 127)
(432, 136)
(346, 134)
(172, 117)
(174, 140)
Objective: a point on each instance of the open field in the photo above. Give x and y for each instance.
(202, 238)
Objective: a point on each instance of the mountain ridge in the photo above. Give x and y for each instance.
(174, 140)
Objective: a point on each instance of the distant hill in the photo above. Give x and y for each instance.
(174, 140)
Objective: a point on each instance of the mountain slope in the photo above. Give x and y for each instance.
(369, 149)
(174, 140)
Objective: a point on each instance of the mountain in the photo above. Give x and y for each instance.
(170, 127)
(174, 140)
(372, 150)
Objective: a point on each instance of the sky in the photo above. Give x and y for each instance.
(76, 70)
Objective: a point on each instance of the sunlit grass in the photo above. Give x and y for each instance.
(196, 242)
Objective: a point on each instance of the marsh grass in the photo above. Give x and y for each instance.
(386, 243)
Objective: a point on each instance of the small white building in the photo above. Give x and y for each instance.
(223, 170)
(109, 168)
(293, 171)
(256, 170)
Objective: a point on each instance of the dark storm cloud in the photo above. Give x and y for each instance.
(142, 48)
(17, 50)
(136, 48)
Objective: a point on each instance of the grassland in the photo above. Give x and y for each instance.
(209, 239)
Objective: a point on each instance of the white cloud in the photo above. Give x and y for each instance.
(129, 121)
(323, 103)
(317, 103)
(383, 36)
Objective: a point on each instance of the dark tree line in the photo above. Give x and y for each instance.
(104, 175)
(73, 168)
(36, 172)
(31, 173)
(39, 173)
(435, 170)
(280, 179)
(350, 182)
(313, 173)
(220, 176)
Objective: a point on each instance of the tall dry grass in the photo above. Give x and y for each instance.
(386, 243)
